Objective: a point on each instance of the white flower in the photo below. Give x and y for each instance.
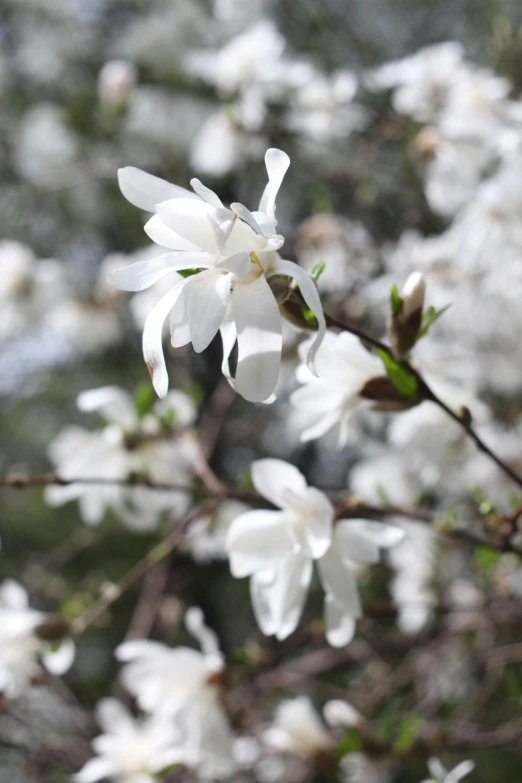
(422, 81)
(127, 445)
(277, 549)
(21, 648)
(131, 750)
(441, 775)
(298, 729)
(237, 251)
(184, 684)
(344, 367)
(115, 82)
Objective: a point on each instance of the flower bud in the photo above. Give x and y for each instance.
(115, 82)
(406, 315)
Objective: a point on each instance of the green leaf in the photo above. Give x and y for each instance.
(317, 271)
(349, 742)
(405, 383)
(144, 397)
(486, 559)
(429, 316)
(188, 272)
(309, 317)
(395, 300)
(407, 733)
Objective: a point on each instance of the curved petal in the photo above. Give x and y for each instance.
(278, 604)
(207, 302)
(143, 274)
(153, 339)
(113, 403)
(272, 477)
(95, 769)
(228, 338)
(311, 296)
(238, 264)
(189, 219)
(352, 545)
(179, 325)
(145, 190)
(460, 771)
(258, 324)
(380, 534)
(340, 625)
(319, 522)
(277, 163)
(222, 221)
(160, 233)
(338, 581)
(114, 717)
(205, 193)
(258, 541)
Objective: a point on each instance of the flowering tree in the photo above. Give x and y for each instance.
(294, 552)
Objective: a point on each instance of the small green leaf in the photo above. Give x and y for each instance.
(188, 272)
(395, 300)
(349, 742)
(309, 317)
(407, 733)
(486, 559)
(429, 316)
(317, 271)
(144, 397)
(400, 376)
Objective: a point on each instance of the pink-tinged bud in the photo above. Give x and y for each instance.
(413, 294)
(116, 81)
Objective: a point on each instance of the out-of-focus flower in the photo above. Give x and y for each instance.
(132, 750)
(276, 549)
(115, 82)
(206, 537)
(344, 368)
(184, 684)
(27, 642)
(44, 145)
(236, 249)
(440, 774)
(420, 82)
(323, 110)
(298, 729)
(126, 446)
(251, 67)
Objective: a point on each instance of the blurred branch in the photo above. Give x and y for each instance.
(214, 490)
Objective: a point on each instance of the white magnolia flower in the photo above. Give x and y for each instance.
(298, 729)
(276, 549)
(422, 81)
(184, 684)
(132, 750)
(23, 651)
(439, 774)
(237, 251)
(344, 367)
(127, 445)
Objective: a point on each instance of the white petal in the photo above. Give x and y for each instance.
(340, 624)
(153, 339)
(189, 219)
(258, 540)
(179, 324)
(337, 580)
(352, 545)
(60, 660)
(460, 771)
(278, 604)
(195, 625)
(272, 477)
(13, 595)
(238, 264)
(245, 214)
(222, 222)
(436, 768)
(379, 533)
(258, 324)
(319, 522)
(205, 193)
(145, 190)
(207, 302)
(112, 402)
(228, 338)
(311, 296)
(143, 274)
(160, 233)
(277, 163)
(114, 717)
(94, 770)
